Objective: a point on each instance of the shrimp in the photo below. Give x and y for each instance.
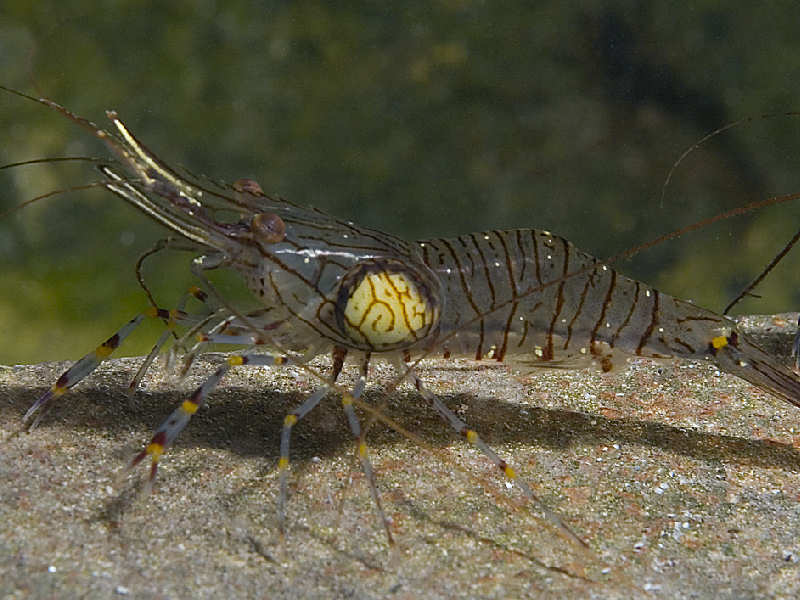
(327, 286)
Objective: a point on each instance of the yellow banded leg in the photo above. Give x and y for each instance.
(209, 325)
(473, 438)
(227, 330)
(81, 369)
(283, 462)
(235, 330)
(179, 418)
(363, 456)
(88, 363)
(231, 332)
(171, 320)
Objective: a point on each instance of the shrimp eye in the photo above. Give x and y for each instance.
(249, 186)
(268, 228)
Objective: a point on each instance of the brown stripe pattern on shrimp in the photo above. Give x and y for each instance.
(328, 286)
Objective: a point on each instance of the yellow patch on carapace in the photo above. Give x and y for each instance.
(387, 308)
(719, 342)
(190, 407)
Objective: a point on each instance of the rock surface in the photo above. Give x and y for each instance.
(684, 482)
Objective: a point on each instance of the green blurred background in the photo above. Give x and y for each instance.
(420, 118)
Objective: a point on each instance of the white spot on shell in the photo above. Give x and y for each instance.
(486, 236)
(647, 293)
(306, 260)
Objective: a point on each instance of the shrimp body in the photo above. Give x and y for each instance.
(329, 286)
(524, 294)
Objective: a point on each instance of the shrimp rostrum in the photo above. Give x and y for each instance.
(524, 296)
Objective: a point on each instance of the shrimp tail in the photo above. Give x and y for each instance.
(738, 355)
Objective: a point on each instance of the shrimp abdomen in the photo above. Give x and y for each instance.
(532, 296)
